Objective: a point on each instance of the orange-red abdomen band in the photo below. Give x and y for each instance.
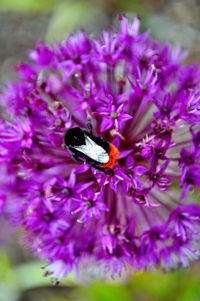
(113, 157)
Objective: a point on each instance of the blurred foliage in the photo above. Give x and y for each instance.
(28, 6)
(71, 15)
(40, 6)
(153, 286)
(68, 15)
(24, 282)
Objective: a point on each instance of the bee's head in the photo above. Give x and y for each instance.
(74, 137)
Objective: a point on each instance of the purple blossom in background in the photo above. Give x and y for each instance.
(144, 213)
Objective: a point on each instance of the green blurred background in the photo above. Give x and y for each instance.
(22, 23)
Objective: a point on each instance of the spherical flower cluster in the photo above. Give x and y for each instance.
(143, 213)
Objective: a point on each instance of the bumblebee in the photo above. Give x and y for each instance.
(95, 150)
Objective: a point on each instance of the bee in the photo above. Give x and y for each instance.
(96, 151)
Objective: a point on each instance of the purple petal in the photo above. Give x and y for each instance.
(83, 186)
(116, 142)
(140, 170)
(2, 202)
(72, 178)
(68, 68)
(82, 168)
(130, 162)
(125, 153)
(106, 124)
(124, 117)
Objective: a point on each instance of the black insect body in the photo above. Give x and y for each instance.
(95, 150)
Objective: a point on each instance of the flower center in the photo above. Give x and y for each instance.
(88, 204)
(113, 115)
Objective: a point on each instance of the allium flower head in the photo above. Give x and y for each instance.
(144, 212)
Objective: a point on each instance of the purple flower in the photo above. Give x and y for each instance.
(190, 107)
(112, 116)
(89, 205)
(42, 55)
(142, 100)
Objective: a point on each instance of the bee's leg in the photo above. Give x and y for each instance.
(93, 164)
(98, 168)
(89, 122)
(76, 158)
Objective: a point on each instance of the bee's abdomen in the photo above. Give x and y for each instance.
(113, 157)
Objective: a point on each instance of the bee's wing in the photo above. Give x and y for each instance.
(93, 151)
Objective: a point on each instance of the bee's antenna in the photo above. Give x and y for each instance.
(89, 121)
